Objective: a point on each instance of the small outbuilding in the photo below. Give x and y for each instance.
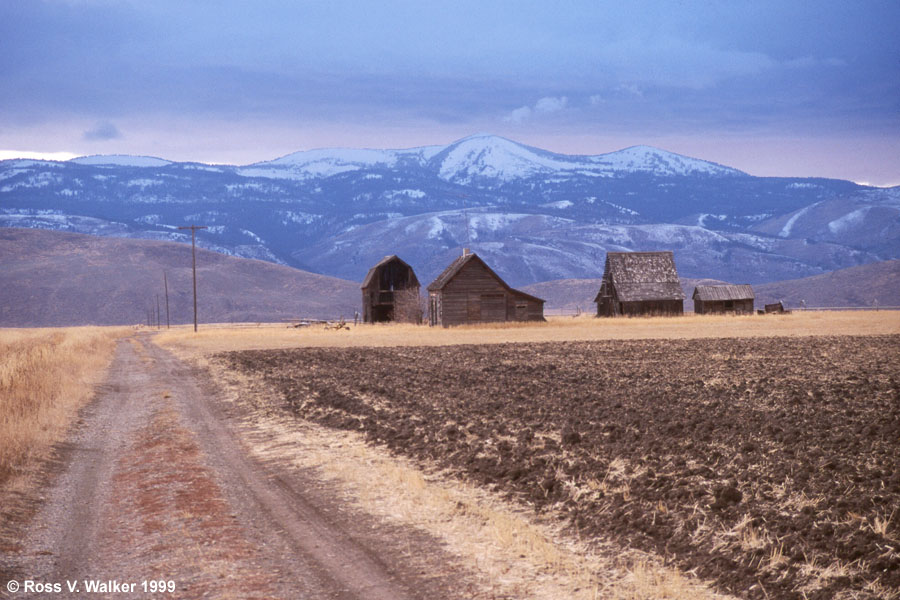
(468, 291)
(390, 292)
(710, 299)
(640, 283)
(775, 308)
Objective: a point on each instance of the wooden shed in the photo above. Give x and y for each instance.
(390, 292)
(709, 299)
(640, 283)
(468, 291)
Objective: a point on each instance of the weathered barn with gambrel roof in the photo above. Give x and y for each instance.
(390, 292)
(710, 299)
(468, 291)
(640, 283)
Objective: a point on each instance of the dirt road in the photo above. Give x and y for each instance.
(157, 491)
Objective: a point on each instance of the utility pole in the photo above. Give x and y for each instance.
(194, 229)
(157, 311)
(166, 283)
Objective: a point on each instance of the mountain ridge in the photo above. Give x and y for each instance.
(530, 213)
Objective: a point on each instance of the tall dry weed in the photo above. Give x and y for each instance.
(46, 375)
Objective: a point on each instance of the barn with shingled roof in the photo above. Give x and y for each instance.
(468, 291)
(640, 283)
(711, 299)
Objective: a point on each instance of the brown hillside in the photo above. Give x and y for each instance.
(856, 286)
(50, 278)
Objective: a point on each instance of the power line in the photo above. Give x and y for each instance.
(194, 229)
(166, 284)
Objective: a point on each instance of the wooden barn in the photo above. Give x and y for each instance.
(468, 291)
(640, 283)
(390, 292)
(710, 299)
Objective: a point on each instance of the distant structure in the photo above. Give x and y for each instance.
(640, 283)
(775, 308)
(390, 292)
(710, 299)
(468, 291)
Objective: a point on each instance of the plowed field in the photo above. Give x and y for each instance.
(769, 466)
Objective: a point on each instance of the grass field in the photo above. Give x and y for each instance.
(219, 338)
(46, 375)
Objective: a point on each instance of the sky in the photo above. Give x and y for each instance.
(774, 88)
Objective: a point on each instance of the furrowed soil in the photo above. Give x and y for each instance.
(770, 466)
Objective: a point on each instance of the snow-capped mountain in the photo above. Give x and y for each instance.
(531, 213)
(311, 164)
(485, 158)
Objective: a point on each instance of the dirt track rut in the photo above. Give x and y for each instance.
(157, 486)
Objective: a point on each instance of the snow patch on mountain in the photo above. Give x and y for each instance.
(647, 159)
(120, 160)
(201, 167)
(35, 181)
(298, 217)
(849, 220)
(143, 183)
(253, 236)
(399, 196)
(561, 204)
(327, 162)
(621, 209)
(492, 157)
(789, 225)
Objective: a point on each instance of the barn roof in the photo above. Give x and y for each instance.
(456, 266)
(370, 276)
(639, 276)
(708, 293)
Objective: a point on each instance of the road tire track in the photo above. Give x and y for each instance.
(157, 486)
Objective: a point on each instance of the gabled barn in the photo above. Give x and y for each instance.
(709, 299)
(468, 291)
(640, 283)
(390, 292)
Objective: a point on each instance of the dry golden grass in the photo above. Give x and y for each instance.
(218, 338)
(514, 554)
(46, 375)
